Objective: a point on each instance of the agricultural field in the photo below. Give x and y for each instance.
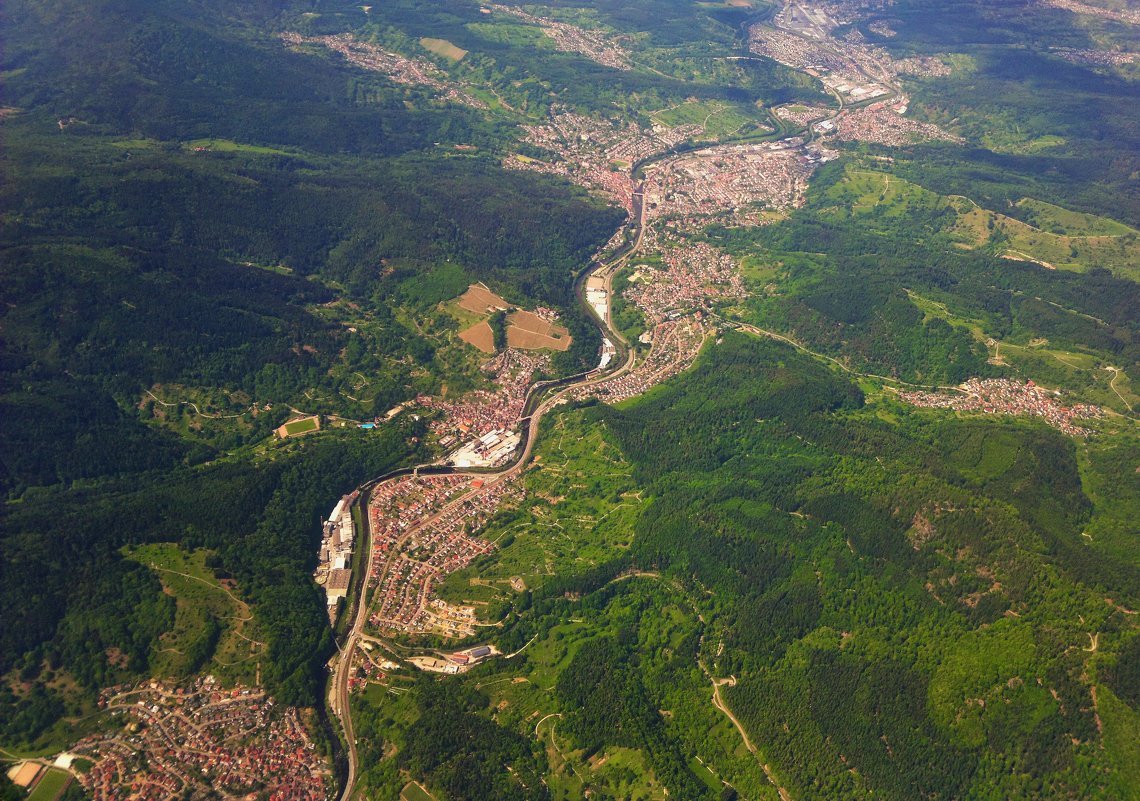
(214, 630)
(528, 331)
(479, 313)
(443, 48)
(479, 300)
(479, 336)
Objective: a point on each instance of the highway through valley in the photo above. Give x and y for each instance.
(542, 396)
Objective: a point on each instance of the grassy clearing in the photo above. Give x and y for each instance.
(414, 791)
(213, 631)
(1013, 141)
(716, 118)
(51, 786)
(443, 48)
(515, 34)
(229, 146)
(1057, 220)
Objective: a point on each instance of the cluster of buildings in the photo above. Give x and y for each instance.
(884, 124)
(334, 562)
(881, 27)
(490, 450)
(397, 506)
(458, 662)
(395, 67)
(691, 276)
(369, 668)
(481, 412)
(801, 113)
(1096, 58)
(837, 69)
(850, 67)
(598, 296)
(1126, 14)
(730, 179)
(1003, 396)
(675, 345)
(597, 46)
(419, 543)
(199, 741)
(597, 153)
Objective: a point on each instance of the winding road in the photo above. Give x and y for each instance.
(338, 696)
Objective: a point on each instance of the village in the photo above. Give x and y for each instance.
(691, 277)
(883, 124)
(482, 418)
(594, 45)
(176, 742)
(1007, 397)
(675, 346)
(425, 528)
(395, 67)
(1096, 58)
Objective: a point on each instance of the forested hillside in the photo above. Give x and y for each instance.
(784, 544)
(179, 203)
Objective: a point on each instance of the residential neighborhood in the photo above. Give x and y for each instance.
(1005, 396)
(174, 742)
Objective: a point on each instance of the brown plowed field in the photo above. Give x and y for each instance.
(480, 300)
(530, 332)
(481, 336)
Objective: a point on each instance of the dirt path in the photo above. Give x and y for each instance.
(198, 411)
(763, 332)
(719, 703)
(241, 604)
(1112, 386)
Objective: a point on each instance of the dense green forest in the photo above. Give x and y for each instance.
(204, 232)
(899, 603)
(849, 284)
(134, 258)
(1037, 124)
(1003, 539)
